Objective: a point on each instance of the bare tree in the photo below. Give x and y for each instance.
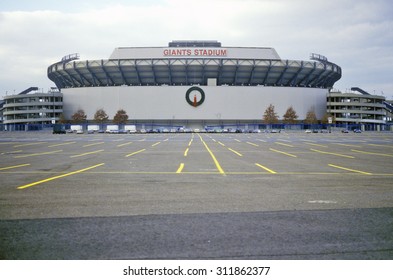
(270, 116)
(325, 118)
(311, 117)
(79, 116)
(62, 119)
(121, 117)
(101, 116)
(290, 116)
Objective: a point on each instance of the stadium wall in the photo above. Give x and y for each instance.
(168, 103)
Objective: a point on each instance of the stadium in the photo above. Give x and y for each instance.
(194, 84)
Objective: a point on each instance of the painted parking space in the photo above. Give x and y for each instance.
(149, 178)
(220, 154)
(312, 158)
(143, 174)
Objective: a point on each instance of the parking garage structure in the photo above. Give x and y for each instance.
(357, 110)
(32, 109)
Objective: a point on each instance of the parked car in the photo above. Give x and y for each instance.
(357, 131)
(344, 131)
(59, 129)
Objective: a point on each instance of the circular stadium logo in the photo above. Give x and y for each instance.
(195, 96)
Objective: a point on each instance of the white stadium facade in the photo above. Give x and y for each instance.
(194, 84)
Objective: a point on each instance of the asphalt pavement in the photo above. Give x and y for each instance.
(289, 195)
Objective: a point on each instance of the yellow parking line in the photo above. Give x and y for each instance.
(189, 143)
(334, 154)
(347, 145)
(29, 144)
(12, 152)
(283, 144)
(307, 140)
(377, 145)
(369, 153)
(281, 152)
(253, 144)
(265, 168)
(58, 177)
(124, 144)
(137, 152)
(38, 154)
(61, 144)
(318, 145)
(237, 140)
(222, 144)
(88, 153)
(89, 145)
(180, 168)
(233, 151)
(285, 140)
(352, 170)
(155, 144)
(14, 166)
(186, 152)
(218, 166)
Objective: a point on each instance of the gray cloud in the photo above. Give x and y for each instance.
(355, 34)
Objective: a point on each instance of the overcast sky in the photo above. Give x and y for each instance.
(355, 34)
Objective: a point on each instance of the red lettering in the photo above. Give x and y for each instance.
(195, 52)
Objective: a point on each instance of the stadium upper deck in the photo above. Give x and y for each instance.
(191, 63)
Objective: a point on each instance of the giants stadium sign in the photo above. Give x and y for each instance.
(195, 52)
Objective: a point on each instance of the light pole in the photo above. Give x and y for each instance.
(53, 101)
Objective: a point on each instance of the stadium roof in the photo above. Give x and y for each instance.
(190, 63)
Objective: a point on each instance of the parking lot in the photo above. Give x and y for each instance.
(196, 195)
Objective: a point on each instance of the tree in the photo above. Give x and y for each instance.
(101, 116)
(270, 116)
(62, 119)
(121, 117)
(311, 117)
(290, 116)
(79, 116)
(325, 119)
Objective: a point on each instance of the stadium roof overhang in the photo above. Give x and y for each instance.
(191, 71)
